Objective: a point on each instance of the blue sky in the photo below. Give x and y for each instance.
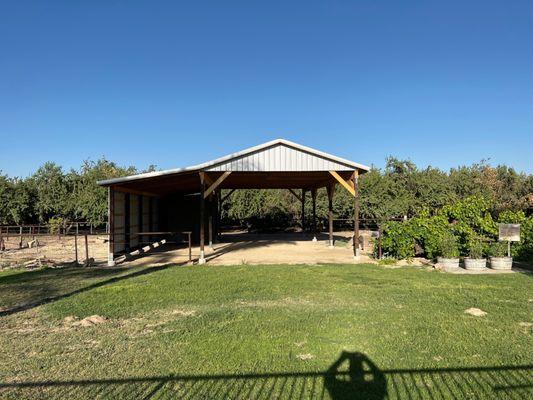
(167, 83)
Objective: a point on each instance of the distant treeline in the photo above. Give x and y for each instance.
(51, 193)
(400, 189)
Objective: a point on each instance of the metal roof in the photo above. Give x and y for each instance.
(278, 155)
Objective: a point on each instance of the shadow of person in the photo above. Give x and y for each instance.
(355, 376)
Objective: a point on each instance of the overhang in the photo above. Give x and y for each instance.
(278, 164)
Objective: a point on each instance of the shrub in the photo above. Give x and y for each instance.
(448, 247)
(498, 249)
(476, 249)
(398, 240)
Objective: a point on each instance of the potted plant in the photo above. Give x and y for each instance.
(499, 258)
(449, 252)
(476, 261)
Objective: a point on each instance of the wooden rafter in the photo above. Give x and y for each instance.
(207, 178)
(345, 184)
(216, 183)
(350, 181)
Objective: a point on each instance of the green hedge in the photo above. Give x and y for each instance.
(469, 221)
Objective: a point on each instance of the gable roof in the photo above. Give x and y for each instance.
(276, 155)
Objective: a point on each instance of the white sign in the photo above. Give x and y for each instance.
(509, 232)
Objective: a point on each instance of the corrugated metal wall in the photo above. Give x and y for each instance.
(280, 158)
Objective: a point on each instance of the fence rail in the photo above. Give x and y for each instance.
(67, 228)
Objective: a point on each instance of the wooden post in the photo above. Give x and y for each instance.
(76, 246)
(303, 210)
(86, 251)
(219, 217)
(313, 198)
(201, 260)
(20, 241)
(190, 246)
(210, 222)
(331, 189)
(111, 227)
(356, 214)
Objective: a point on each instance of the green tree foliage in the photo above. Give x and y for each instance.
(52, 194)
(465, 201)
(469, 221)
(53, 190)
(88, 201)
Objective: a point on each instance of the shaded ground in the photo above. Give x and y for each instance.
(316, 331)
(242, 248)
(256, 249)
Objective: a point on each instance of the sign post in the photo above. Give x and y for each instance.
(509, 233)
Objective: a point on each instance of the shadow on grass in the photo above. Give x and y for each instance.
(351, 376)
(34, 288)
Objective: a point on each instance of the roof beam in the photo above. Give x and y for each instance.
(345, 184)
(207, 178)
(216, 183)
(133, 191)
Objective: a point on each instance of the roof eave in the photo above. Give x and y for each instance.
(228, 157)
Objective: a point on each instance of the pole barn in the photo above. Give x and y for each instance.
(188, 199)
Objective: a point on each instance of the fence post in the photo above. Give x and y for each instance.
(86, 251)
(20, 241)
(190, 246)
(76, 246)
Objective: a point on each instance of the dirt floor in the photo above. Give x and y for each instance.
(235, 248)
(52, 250)
(244, 248)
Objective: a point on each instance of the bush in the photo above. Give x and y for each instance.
(476, 249)
(469, 222)
(448, 247)
(398, 240)
(498, 249)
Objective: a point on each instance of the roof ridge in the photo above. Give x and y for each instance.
(238, 154)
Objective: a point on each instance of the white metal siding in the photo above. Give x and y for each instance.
(280, 158)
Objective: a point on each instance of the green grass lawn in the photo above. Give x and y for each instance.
(321, 331)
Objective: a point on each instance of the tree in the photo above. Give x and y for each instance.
(89, 200)
(52, 191)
